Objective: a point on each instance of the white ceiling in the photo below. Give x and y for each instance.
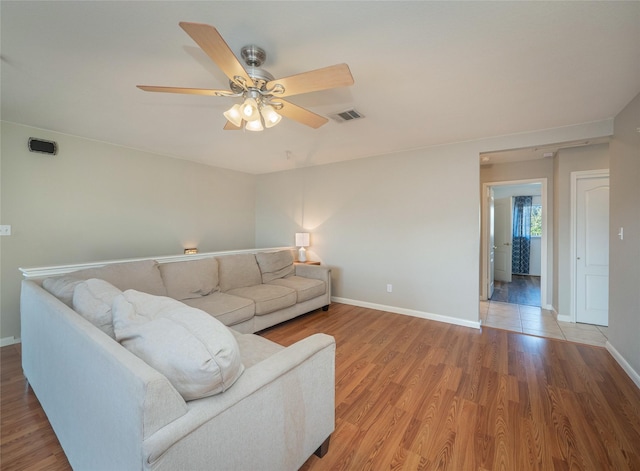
(426, 73)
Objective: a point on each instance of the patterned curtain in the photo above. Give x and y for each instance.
(521, 234)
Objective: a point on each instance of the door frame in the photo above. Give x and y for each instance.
(484, 246)
(575, 176)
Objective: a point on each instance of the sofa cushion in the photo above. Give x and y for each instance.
(274, 265)
(190, 279)
(142, 275)
(306, 288)
(228, 309)
(62, 287)
(196, 352)
(254, 349)
(268, 298)
(238, 271)
(92, 299)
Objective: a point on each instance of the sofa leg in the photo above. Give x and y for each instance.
(325, 308)
(323, 449)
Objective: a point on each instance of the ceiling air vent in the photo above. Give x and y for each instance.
(348, 115)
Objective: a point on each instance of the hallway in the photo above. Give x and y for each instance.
(516, 307)
(533, 320)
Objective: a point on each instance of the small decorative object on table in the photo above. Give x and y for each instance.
(302, 241)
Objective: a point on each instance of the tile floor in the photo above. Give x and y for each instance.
(539, 322)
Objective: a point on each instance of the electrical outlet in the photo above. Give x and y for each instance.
(389, 288)
(5, 230)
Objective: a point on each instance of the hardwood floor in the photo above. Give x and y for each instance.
(523, 289)
(27, 441)
(416, 394)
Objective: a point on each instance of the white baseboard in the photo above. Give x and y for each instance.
(564, 318)
(409, 312)
(633, 374)
(8, 341)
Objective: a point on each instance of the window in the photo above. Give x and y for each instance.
(536, 220)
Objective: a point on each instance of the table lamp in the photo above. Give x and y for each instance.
(302, 241)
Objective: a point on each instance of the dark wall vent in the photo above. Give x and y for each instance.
(41, 146)
(348, 115)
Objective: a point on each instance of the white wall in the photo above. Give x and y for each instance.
(567, 161)
(624, 255)
(95, 201)
(410, 219)
(535, 256)
(407, 219)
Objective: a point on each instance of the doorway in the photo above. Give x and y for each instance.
(590, 247)
(498, 282)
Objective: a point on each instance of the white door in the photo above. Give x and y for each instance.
(492, 244)
(503, 208)
(592, 250)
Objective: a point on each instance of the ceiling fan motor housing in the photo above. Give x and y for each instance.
(254, 57)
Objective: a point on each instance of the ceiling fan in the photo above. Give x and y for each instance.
(262, 94)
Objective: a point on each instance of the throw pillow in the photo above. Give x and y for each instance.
(196, 352)
(274, 265)
(92, 299)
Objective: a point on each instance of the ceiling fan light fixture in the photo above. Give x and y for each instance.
(271, 117)
(257, 86)
(255, 125)
(234, 115)
(249, 110)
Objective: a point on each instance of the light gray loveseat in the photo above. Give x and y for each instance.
(111, 410)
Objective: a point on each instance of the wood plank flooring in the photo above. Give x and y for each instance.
(414, 394)
(523, 289)
(27, 441)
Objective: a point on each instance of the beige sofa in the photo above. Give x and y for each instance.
(111, 410)
(247, 291)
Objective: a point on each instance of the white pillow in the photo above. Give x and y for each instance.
(92, 299)
(195, 351)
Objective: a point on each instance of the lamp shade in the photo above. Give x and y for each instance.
(302, 239)
(249, 110)
(271, 118)
(234, 115)
(255, 125)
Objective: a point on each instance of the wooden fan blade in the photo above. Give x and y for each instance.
(302, 115)
(229, 126)
(187, 91)
(320, 79)
(211, 42)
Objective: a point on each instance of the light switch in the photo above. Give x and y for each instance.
(5, 230)
(621, 233)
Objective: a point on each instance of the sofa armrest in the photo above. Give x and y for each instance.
(92, 389)
(318, 272)
(274, 417)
